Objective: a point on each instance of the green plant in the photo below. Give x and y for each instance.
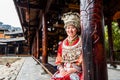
(116, 40)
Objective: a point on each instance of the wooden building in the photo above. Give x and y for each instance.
(43, 29)
(12, 42)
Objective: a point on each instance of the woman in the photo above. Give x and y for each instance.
(69, 57)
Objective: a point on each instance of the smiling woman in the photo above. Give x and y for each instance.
(8, 14)
(69, 57)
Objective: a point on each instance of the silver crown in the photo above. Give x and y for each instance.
(71, 18)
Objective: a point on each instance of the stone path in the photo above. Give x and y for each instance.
(32, 71)
(113, 74)
(9, 67)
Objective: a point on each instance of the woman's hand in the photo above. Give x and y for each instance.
(62, 71)
(71, 70)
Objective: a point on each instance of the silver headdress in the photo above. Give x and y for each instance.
(71, 18)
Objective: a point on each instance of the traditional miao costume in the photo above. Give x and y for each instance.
(69, 56)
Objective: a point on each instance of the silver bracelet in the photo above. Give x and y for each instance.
(77, 67)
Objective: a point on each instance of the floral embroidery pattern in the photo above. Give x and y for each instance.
(71, 53)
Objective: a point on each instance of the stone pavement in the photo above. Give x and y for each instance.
(9, 67)
(113, 74)
(32, 71)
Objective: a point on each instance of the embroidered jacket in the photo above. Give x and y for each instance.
(70, 53)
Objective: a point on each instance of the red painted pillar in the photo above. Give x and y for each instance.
(38, 51)
(44, 40)
(94, 58)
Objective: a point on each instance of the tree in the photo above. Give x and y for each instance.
(116, 39)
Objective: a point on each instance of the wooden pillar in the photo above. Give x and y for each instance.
(37, 35)
(94, 58)
(34, 45)
(6, 49)
(33, 48)
(44, 40)
(110, 41)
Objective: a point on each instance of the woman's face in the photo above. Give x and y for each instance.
(71, 30)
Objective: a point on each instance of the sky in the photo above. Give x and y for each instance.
(8, 13)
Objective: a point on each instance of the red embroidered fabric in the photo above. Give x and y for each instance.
(59, 61)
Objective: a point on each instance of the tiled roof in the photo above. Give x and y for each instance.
(15, 32)
(12, 39)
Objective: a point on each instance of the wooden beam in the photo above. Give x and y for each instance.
(73, 6)
(19, 12)
(58, 25)
(31, 6)
(49, 2)
(26, 25)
